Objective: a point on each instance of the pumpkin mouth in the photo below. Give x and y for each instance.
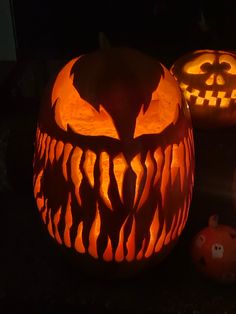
(218, 99)
(106, 185)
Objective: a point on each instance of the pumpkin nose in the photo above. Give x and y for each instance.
(215, 79)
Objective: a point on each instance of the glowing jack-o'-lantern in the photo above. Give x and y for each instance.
(208, 81)
(214, 251)
(114, 158)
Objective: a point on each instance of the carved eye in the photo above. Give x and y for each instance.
(229, 63)
(205, 67)
(200, 65)
(84, 119)
(163, 109)
(72, 110)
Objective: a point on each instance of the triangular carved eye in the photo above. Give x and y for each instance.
(162, 110)
(72, 110)
(196, 66)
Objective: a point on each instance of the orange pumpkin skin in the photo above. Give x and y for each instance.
(114, 159)
(214, 251)
(208, 81)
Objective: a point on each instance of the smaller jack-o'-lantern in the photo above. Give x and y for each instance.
(208, 81)
(214, 251)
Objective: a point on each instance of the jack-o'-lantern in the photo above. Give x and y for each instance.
(208, 81)
(214, 251)
(114, 158)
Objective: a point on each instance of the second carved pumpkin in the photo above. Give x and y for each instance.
(114, 158)
(208, 81)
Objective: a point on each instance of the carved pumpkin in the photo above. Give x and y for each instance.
(214, 251)
(208, 81)
(114, 158)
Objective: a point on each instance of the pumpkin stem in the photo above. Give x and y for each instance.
(213, 221)
(104, 43)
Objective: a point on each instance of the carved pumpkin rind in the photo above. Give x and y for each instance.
(208, 81)
(113, 166)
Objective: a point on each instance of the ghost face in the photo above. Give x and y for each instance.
(114, 157)
(208, 81)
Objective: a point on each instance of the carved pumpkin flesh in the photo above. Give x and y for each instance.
(114, 157)
(208, 81)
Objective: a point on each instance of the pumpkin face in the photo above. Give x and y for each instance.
(114, 158)
(208, 81)
(214, 251)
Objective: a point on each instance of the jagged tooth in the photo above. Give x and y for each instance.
(89, 162)
(119, 168)
(44, 212)
(105, 178)
(130, 244)
(67, 150)
(37, 190)
(59, 149)
(137, 167)
(94, 234)
(52, 150)
(79, 245)
(37, 184)
(68, 222)
(184, 217)
(50, 230)
(177, 225)
(43, 146)
(154, 228)
(150, 172)
(108, 255)
(175, 163)
(48, 141)
(39, 143)
(56, 220)
(141, 252)
(166, 174)
(161, 239)
(76, 174)
(159, 158)
(40, 202)
(169, 234)
(119, 254)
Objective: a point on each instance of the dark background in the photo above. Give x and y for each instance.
(35, 275)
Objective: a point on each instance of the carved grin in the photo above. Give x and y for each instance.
(109, 185)
(218, 99)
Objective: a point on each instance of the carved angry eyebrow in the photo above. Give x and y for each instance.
(84, 119)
